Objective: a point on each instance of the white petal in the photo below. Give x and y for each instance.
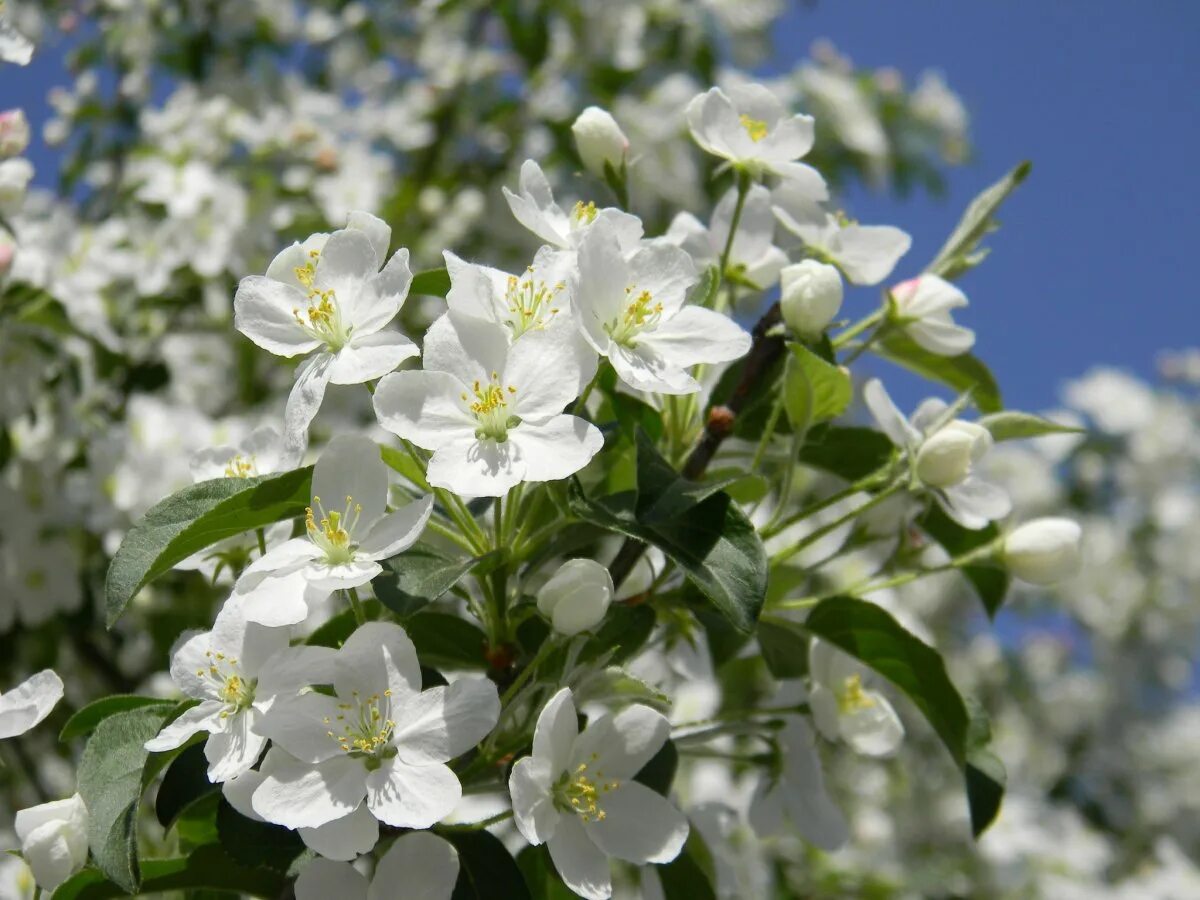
(291, 669)
(29, 703)
(322, 879)
(470, 349)
(530, 786)
(345, 838)
(802, 183)
(556, 730)
(582, 865)
(617, 747)
(346, 263)
(824, 708)
(887, 416)
(535, 208)
(476, 468)
(418, 866)
(239, 791)
(809, 806)
(285, 559)
(874, 729)
(277, 602)
(326, 578)
(645, 369)
(557, 448)
(264, 310)
(303, 403)
(297, 724)
(664, 270)
(298, 795)
(697, 335)
(388, 290)
(204, 717)
(424, 407)
(397, 531)
(371, 356)
(942, 338)
(598, 287)
(639, 825)
(974, 503)
(444, 722)
(236, 748)
(378, 232)
(412, 796)
(351, 467)
(378, 657)
(14, 46)
(868, 253)
(544, 369)
(713, 122)
(472, 288)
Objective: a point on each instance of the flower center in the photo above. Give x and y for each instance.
(241, 467)
(363, 727)
(584, 213)
(852, 698)
(641, 312)
(334, 530)
(529, 303)
(581, 793)
(236, 692)
(490, 408)
(322, 320)
(756, 128)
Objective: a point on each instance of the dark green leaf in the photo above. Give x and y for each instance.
(486, 869)
(991, 581)
(110, 782)
(1012, 426)
(401, 462)
(541, 876)
(431, 283)
(960, 252)
(625, 629)
(91, 715)
(868, 633)
(335, 631)
(446, 641)
(962, 373)
(687, 877)
(186, 782)
(784, 646)
(256, 843)
(195, 518)
(813, 390)
(417, 577)
(851, 453)
(659, 773)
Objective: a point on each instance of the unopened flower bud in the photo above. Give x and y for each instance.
(54, 840)
(811, 295)
(599, 140)
(14, 133)
(948, 455)
(1044, 551)
(577, 597)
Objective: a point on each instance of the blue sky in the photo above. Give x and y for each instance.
(1100, 95)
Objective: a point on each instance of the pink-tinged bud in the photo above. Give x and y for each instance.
(7, 254)
(14, 133)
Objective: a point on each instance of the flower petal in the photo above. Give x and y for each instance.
(530, 786)
(371, 356)
(351, 469)
(873, 728)
(556, 730)
(617, 747)
(204, 717)
(418, 866)
(644, 368)
(397, 530)
(264, 310)
(291, 669)
(697, 335)
(639, 825)
(581, 865)
(444, 722)
(476, 468)
(974, 503)
(412, 796)
(544, 368)
(236, 748)
(29, 703)
(470, 349)
(298, 795)
(324, 878)
(868, 253)
(887, 416)
(303, 403)
(378, 657)
(557, 448)
(300, 724)
(276, 601)
(424, 407)
(345, 838)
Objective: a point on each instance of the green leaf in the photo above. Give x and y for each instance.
(486, 869)
(813, 390)
(871, 635)
(337, 629)
(197, 517)
(256, 843)
(540, 875)
(659, 773)
(1013, 426)
(87, 718)
(704, 291)
(207, 868)
(687, 876)
(401, 462)
(110, 782)
(446, 641)
(962, 373)
(851, 453)
(960, 252)
(417, 577)
(431, 283)
(624, 630)
(991, 581)
(784, 646)
(185, 782)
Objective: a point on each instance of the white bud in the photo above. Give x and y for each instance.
(14, 133)
(948, 455)
(599, 140)
(811, 295)
(54, 840)
(1044, 551)
(577, 597)
(15, 175)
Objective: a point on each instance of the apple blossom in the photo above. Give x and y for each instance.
(14, 46)
(632, 310)
(576, 793)
(753, 257)
(534, 207)
(328, 295)
(921, 306)
(943, 455)
(14, 133)
(492, 413)
(236, 671)
(344, 541)
(379, 736)
(845, 708)
(599, 140)
(418, 866)
(810, 296)
(1044, 551)
(576, 597)
(29, 703)
(15, 175)
(257, 454)
(54, 839)
(796, 795)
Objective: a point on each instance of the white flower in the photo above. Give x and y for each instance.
(257, 454)
(54, 840)
(14, 133)
(29, 703)
(866, 254)
(750, 128)
(345, 539)
(944, 454)
(492, 414)
(631, 310)
(418, 866)
(577, 596)
(810, 296)
(14, 46)
(922, 307)
(236, 671)
(15, 175)
(797, 793)
(534, 207)
(843, 707)
(753, 256)
(599, 140)
(1044, 551)
(330, 296)
(576, 793)
(380, 736)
